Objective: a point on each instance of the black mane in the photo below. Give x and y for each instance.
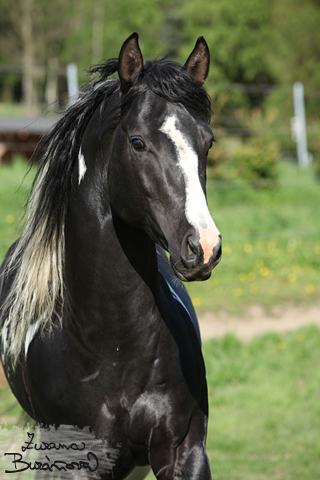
(165, 78)
(57, 154)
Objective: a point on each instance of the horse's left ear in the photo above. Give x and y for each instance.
(199, 61)
(130, 61)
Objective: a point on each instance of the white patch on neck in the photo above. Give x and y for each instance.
(4, 342)
(197, 212)
(32, 330)
(82, 167)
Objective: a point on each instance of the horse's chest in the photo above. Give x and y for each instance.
(137, 425)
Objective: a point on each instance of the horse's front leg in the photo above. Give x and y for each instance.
(187, 461)
(182, 464)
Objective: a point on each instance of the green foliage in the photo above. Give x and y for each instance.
(295, 42)
(254, 160)
(237, 32)
(314, 149)
(257, 159)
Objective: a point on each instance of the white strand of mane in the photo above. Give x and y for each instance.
(38, 283)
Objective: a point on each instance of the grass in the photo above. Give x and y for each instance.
(264, 400)
(14, 110)
(271, 239)
(12, 196)
(264, 406)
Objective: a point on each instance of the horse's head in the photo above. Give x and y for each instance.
(159, 149)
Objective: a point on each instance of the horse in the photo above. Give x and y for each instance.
(97, 329)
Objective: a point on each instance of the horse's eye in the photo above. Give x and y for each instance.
(213, 140)
(137, 144)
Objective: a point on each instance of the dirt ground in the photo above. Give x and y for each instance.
(254, 322)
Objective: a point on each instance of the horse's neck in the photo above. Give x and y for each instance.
(111, 276)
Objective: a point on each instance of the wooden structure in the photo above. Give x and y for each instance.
(21, 135)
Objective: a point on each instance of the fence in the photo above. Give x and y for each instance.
(235, 106)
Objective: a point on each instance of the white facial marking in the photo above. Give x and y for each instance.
(32, 330)
(82, 166)
(197, 212)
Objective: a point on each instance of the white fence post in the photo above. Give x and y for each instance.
(298, 125)
(73, 85)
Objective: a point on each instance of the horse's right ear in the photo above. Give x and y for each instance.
(130, 62)
(198, 62)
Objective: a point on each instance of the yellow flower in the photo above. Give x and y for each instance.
(9, 218)
(292, 277)
(196, 301)
(242, 277)
(264, 271)
(309, 288)
(282, 345)
(227, 249)
(238, 292)
(252, 276)
(247, 248)
(300, 338)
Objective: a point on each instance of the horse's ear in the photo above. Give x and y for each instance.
(199, 61)
(130, 61)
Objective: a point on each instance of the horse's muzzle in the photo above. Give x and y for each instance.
(195, 262)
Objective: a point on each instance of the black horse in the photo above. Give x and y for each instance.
(96, 328)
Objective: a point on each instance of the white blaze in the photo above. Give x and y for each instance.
(82, 166)
(197, 212)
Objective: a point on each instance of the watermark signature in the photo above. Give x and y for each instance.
(51, 450)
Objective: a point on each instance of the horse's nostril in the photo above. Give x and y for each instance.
(217, 254)
(190, 251)
(192, 247)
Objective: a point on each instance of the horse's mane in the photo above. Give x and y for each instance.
(38, 258)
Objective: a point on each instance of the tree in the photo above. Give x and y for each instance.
(237, 32)
(294, 50)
